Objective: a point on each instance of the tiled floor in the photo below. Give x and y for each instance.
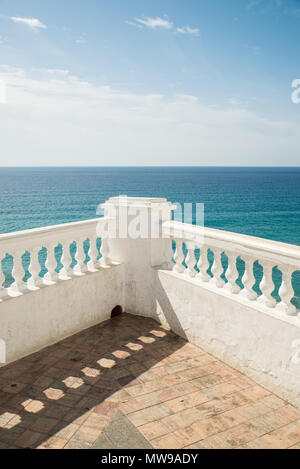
(177, 395)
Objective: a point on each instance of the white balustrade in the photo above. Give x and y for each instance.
(248, 279)
(203, 265)
(66, 260)
(49, 238)
(18, 273)
(80, 268)
(93, 254)
(179, 257)
(104, 251)
(190, 260)
(2, 281)
(286, 291)
(34, 268)
(269, 254)
(232, 273)
(51, 264)
(267, 285)
(217, 269)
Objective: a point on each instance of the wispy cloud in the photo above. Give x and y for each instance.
(52, 71)
(165, 23)
(189, 30)
(80, 41)
(32, 23)
(3, 40)
(155, 22)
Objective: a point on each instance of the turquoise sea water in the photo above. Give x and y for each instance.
(262, 202)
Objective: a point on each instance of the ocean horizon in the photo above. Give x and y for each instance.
(257, 201)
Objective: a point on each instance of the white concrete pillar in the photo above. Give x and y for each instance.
(134, 238)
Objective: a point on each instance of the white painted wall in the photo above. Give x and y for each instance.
(40, 318)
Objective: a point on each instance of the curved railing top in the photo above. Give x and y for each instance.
(46, 233)
(251, 245)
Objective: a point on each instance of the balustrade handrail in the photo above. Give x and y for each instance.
(249, 249)
(48, 239)
(48, 233)
(272, 250)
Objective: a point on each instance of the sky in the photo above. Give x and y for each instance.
(134, 82)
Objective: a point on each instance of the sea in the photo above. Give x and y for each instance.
(257, 201)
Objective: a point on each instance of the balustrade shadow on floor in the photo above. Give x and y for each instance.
(174, 393)
(52, 392)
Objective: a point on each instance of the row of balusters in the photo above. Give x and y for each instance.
(49, 263)
(239, 274)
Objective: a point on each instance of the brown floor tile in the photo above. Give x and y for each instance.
(29, 439)
(9, 436)
(53, 443)
(43, 424)
(206, 428)
(284, 437)
(150, 414)
(181, 420)
(186, 436)
(266, 423)
(166, 442)
(186, 402)
(153, 430)
(289, 412)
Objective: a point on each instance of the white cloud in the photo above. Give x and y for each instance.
(52, 71)
(158, 22)
(189, 30)
(133, 23)
(66, 121)
(80, 41)
(33, 23)
(155, 22)
(3, 40)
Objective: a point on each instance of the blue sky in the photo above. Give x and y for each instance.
(139, 82)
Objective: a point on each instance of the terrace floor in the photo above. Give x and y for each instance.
(132, 375)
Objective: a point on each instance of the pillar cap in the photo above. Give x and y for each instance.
(138, 202)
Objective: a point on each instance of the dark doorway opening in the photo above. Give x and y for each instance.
(116, 311)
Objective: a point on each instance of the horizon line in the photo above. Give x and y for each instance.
(149, 166)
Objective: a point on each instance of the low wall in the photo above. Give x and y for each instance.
(40, 318)
(253, 339)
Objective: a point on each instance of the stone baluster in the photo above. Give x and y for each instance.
(34, 268)
(66, 260)
(51, 264)
(18, 273)
(286, 291)
(3, 291)
(217, 269)
(104, 251)
(248, 279)
(203, 265)
(93, 254)
(190, 260)
(267, 285)
(80, 268)
(232, 273)
(178, 257)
